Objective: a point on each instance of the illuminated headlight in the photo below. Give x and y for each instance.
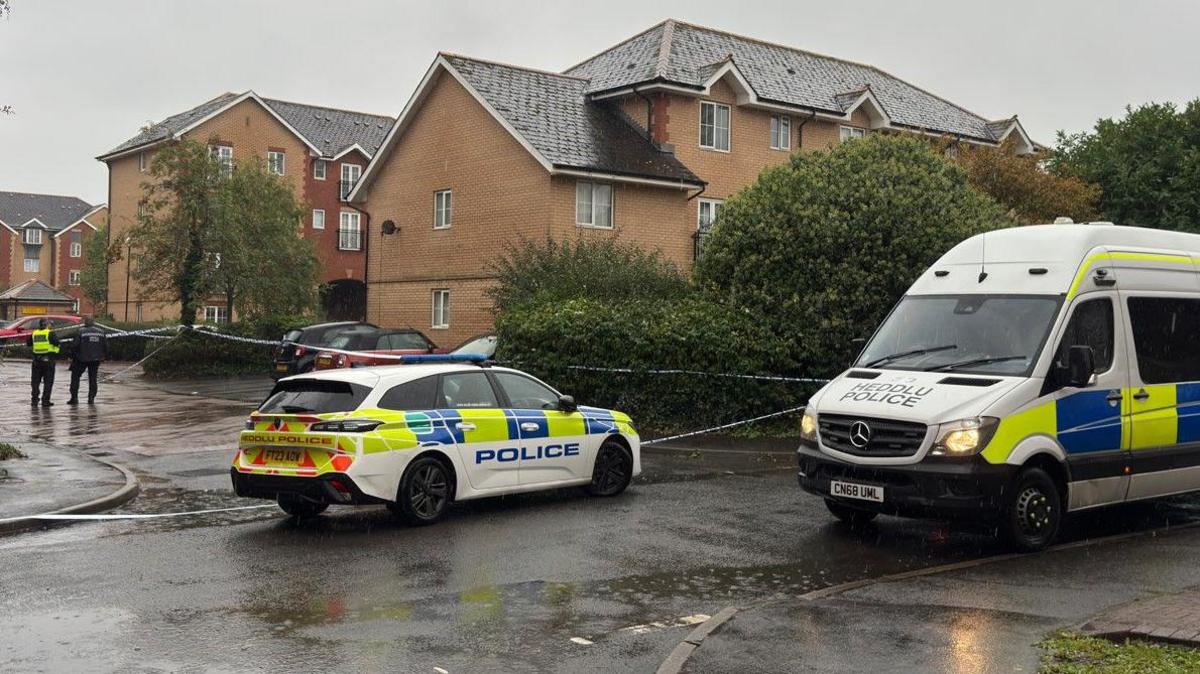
(965, 437)
(808, 425)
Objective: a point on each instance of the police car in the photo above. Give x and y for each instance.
(419, 436)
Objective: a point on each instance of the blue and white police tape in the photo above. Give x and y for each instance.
(706, 431)
(762, 377)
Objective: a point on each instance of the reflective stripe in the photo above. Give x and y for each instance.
(1121, 255)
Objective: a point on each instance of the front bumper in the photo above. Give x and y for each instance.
(934, 488)
(319, 489)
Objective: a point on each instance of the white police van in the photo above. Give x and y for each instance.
(417, 437)
(1029, 372)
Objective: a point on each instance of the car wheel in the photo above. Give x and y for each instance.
(301, 507)
(1034, 514)
(613, 470)
(849, 514)
(425, 492)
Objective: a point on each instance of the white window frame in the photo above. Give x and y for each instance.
(33, 265)
(443, 209)
(141, 162)
(781, 129)
(73, 277)
(349, 231)
(714, 207)
(315, 219)
(851, 133)
(439, 304)
(585, 209)
(31, 240)
(271, 156)
(76, 249)
(218, 314)
(319, 174)
(223, 155)
(344, 192)
(716, 127)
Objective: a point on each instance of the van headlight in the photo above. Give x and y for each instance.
(965, 437)
(808, 425)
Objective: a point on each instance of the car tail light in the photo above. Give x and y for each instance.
(250, 424)
(345, 426)
(341, 361)
(300, 351)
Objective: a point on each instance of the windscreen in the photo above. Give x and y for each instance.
(313, 396)
(982, 334)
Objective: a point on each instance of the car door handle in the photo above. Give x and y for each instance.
(529, 426)
(1141, 395)
(1114, 397)
(463, 426)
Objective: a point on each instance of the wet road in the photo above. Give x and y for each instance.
(513, 584)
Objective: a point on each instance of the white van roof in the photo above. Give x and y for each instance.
(1053, 259)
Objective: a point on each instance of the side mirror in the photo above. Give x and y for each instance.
(1081, 366)
(567, 404)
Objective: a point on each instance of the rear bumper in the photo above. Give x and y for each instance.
(319, 489)
(972, 489)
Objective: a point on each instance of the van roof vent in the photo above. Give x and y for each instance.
(862, 374)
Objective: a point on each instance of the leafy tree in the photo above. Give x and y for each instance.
(601, 269)
(1147, 164)
(1029, 192)
(93, 276)
(820, 249)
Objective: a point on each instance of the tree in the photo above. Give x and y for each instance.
(1029, 192)
(93, 277)
(819, 249)
(1147, 164)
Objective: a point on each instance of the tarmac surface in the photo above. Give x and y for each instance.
(555, 581)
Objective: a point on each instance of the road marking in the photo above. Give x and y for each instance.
(134, 516)
(581, 641)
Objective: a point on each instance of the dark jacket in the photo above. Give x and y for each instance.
(89, 345)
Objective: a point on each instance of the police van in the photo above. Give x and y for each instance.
(1028, 373)
(418, 436)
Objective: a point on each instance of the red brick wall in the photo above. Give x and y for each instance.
(7, 241)
(324, 194)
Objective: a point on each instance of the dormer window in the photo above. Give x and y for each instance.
(33, 236)
(714, 126)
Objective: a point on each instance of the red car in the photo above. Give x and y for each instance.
(374, 343)
(27, 324)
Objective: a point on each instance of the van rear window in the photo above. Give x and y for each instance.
(314, 396)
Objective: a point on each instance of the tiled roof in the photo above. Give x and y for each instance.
(553, 114)
(685, 54)
(330, 129)
(34, 290)
(53, 211)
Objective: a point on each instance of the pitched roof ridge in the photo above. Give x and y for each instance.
(326, 107)
(622, 43)
(664, 48)
(45, 194)
(514, 67)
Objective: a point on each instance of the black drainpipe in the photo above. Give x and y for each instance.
(800, 130)
(649, 113)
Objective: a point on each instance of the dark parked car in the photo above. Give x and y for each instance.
(298, 352)
(373, 344)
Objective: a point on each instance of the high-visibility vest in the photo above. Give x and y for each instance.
(41, 343)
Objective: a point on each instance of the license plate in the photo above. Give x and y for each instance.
(862, 492)
(282, 457)
(281, 368)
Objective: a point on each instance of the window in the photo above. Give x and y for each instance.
(714, 126)
(349, 232)
(76, 244)
(318, 169)
(275, 162)
(350, 176)
(317, 396)
(33, 236)
(142, 162)
(1164, 337)
(32, 264)
(1090, 325)
(414, 395)
(215, 314)
(467, 390)
(141, 209)
(850, 133)
(526, 394)
(73, 277)
(441, 308)
(706, 213)
(137, 312)
(441, 209)
(781, 132)
(593, 204)
(318, 219)
(223, 155)
(403, 341)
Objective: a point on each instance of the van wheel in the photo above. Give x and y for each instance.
(613, 470)
(424, 494)
(850, 515)
(1034, 514)
(301, 507)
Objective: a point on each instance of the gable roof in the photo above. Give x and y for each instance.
(326, 131)
(84, 219)
(52, 211)
(34, 290)
(682, 54)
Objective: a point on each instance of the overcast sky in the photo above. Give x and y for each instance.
(84, 75)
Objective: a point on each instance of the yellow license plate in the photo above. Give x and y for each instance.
(281, 368)
(283, 457)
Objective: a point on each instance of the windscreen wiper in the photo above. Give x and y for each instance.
(904, 354)
(974, 361)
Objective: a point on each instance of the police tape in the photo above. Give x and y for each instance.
(762, 377)
(714, 429)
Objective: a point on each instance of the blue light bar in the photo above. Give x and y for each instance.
(444, 358)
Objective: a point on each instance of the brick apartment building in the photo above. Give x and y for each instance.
(42, 239)
(642, 142)
(321, 151)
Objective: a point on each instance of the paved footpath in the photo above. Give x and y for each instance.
(50, 479)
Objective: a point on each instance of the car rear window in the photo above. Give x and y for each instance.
(292, 335)
(404, 340)
(314, 396)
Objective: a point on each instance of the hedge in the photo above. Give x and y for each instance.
(193, 354)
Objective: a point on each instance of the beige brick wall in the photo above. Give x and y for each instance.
(45, 272)
(403, 304)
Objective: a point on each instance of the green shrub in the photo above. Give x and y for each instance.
(7, 451)
(821, 248)
(194, 354)
(547, 338)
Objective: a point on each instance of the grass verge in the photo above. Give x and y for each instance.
(1068, 653)
(7, 451)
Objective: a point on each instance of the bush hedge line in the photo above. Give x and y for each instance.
(193, 354)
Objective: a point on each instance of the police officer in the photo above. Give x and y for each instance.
(45, 347)
(89, 351)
